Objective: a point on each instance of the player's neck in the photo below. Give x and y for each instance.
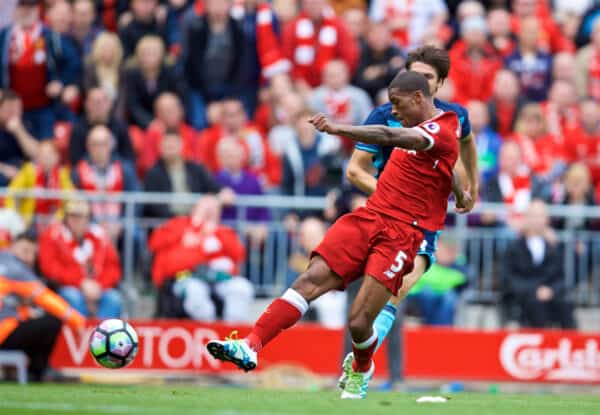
(431, 111)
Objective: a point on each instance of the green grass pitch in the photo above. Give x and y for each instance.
(189, 400)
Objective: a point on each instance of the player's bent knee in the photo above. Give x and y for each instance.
(359, 326)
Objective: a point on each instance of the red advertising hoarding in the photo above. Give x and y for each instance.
(430, 353)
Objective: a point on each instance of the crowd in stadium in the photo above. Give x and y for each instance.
(212, 96)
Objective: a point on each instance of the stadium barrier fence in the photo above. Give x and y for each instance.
(267, 263)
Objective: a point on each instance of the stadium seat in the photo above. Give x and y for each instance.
(16, 359)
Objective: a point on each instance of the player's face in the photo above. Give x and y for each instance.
(406, 107)
(429, 73)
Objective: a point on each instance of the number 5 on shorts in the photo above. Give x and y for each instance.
(397, 265)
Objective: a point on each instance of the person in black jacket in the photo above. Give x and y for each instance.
(98, 108)
(143, 22)
(211, 58)
(172, 173)
(147, 79)
(534, 273)
(380, 61)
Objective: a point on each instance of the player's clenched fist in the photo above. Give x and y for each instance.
(322, 123)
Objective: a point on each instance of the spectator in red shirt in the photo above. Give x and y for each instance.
(551, 38)
(168, 116)
(191, 255)
(28, 65)
(474, 62)
(500, 36)
(339, 100)
(587, 66)
(561, 111)
(234, 123)
(563, 67)
(412, 22)
(81, 259)
(543, 153)
(101, 171)
(313, 39)
(583, 140)
(506, 102)
(512, 186)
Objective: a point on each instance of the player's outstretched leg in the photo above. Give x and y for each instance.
(385, 319)
(371, 298)
(281, 314)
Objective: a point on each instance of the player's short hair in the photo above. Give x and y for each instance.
(410, 81)
(435, 57)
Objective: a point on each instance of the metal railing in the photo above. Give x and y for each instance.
(267, 264)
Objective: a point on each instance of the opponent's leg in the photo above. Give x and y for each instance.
(371, 298)
(281, 314)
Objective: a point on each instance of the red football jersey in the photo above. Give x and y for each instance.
(415, 185)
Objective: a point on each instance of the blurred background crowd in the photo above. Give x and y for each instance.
(212, 97)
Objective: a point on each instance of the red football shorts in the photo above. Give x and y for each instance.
(366, 243)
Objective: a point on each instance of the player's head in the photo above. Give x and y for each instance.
(431, 62)
(410, 97)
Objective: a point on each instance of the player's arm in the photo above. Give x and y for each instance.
(360, 171)
(406, 138)
(468, 157)
(464, 201)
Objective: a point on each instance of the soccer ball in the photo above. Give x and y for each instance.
(114, 344)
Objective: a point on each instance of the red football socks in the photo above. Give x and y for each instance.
(281, 314)
(363, 353)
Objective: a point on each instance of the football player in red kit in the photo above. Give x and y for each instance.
(378, 241)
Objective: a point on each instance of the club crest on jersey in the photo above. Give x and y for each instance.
(432, 127)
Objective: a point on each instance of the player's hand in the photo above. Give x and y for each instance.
(322, 123)
(464, 202)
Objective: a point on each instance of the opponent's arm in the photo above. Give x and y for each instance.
(468, 156)
(406, 138)
(464, 201)
(360, 171)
